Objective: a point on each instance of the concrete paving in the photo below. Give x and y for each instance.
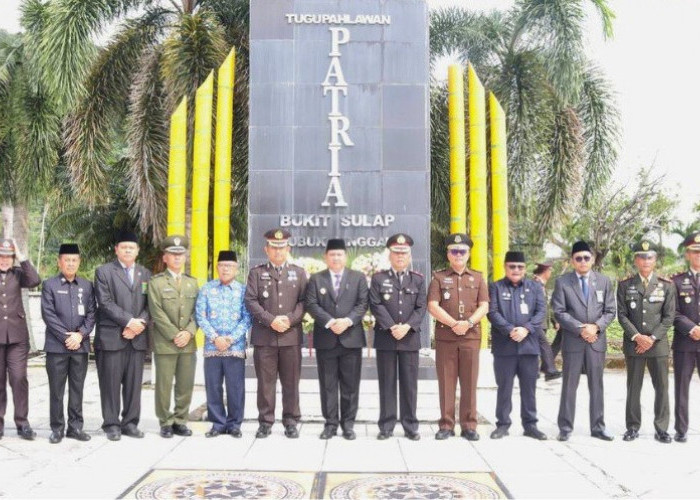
(581, 468)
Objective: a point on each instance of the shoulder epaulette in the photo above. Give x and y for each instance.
(678, 275)
(664, 279)
(260, 265)
(627, 278)
(416, 273)
(159, 275)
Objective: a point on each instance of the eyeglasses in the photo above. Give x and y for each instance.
(513, 267)
(582, 258)
(457, 251)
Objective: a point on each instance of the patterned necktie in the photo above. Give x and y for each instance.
(645, 282)
(336, 284)
(178, 281)
(129, 275)
(584, 287)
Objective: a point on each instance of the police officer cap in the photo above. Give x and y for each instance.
(515, 257)
(399, 243)
(458, 240)
(68, 249)
(126, 236)
(176, 243)
(644, 248)
(335, 244)
(542, 267)
(580, 246)
(227, 256)
(7, 248)
(277, 237)
(692, 242)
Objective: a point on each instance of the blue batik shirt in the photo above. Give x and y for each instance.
(220, 311)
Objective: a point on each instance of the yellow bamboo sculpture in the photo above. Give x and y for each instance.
(458, 174)
(222, 161)
(177, 169)
(499, 186)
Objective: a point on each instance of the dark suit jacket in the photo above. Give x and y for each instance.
(117, 303)
(392, 303)
(687, 312)
(505, 313)
(60, 303)
(322, 304)
(13, 322)
(571, 310)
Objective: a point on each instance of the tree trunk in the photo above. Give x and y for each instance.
(21, 228)
(8, 220)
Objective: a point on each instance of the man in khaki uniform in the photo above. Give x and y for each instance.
(171, 300)
(458, 299)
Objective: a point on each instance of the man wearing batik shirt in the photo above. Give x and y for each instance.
(223, 317)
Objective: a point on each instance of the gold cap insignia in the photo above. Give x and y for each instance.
(279, 235)
(401, 240)
(6, 244)
(176, 241)
(458, 239)
(697, 238)
(645, 245)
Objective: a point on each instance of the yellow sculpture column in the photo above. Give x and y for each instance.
(177, 170)
(458, 173)
(499, 186)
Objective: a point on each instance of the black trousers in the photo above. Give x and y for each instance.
(339, 368)
(684, 365)
(658, 369)
(546, 354)
(13, 365)
(506, 369)
(121, 375)
(574, 363)
(403, 364)
(269, 363)
(59, 368)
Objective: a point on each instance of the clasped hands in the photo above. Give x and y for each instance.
(519, 333)
(339, 325)
(589, 333)
(73, 340)
(695, 333)
(644, 343)
(135, 327)
(280, 324)
(400, 330)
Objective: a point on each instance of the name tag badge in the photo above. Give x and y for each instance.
(524, 309)
(81, 310)
(63, 292)
(600, 295)
(144, 288)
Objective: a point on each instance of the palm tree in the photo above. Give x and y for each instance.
(122, 95)
(562, 123)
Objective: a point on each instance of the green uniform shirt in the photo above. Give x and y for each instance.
(172, 310)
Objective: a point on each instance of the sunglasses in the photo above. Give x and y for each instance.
(582, 258)
(513, 267)
(457, 251)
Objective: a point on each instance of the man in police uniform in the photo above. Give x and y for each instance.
(397, 300)
(646, 306)
(517, 310)
(458, 300)
(14, 335)
(274, 297)
(68, 310)
(541, 275)
(686, 333)
(172, 297)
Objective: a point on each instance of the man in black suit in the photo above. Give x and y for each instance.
(121, 339)
(337, 300)
(398, 301)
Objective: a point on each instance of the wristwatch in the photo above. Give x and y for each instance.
(470, 323)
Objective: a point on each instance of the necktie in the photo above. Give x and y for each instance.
(129, 275)
(336, 284)
(401, 277)
(178, 280)
(645, 282)
(584, 287)
(697, 279)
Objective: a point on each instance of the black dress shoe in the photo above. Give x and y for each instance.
(662, 437)
(499, 433)
(291, 431)
(413, 436)
(602, 435)
(181, 430)
(349, 434)
(132, 432)
(552, 376)
(55, 437)
(212, 433)
(470, 435)
(630, 435)
(2, 433)
(26, 432)
(328, 432)
(563, 436)
(166, 431)
(535, 433)
(79, 435)
(680, 437)
(263, 431)
(113, 434)
(235, 433)
(444, 434)
(384, 435)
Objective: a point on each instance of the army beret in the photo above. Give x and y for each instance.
(399, 243)
(277, 237)
(227, 256)
(457, 240)
(644, 247)
(126, 236)
(335, 244)
(580, 246)
(68, 249)
(692, 242)
(515, 257)
(7, 247)
(176, 243)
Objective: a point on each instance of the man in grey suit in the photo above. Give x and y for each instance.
(337, 299)
(584, 305)
(121, 339)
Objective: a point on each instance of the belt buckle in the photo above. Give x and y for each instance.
(461, 309)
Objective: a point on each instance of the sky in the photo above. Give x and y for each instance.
(651, 63)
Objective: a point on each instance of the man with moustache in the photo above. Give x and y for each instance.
(121, 339)
(337, 300)
(584, 305)
(274, 297)
(397, 299)
(646, 307)
(68, 310)
(458, 300)
(14, 335)
(517, 309)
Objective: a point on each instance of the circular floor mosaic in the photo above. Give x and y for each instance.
(418, 486)
(221, 485)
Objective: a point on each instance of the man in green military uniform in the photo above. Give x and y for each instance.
(171, 300)
(646, 306)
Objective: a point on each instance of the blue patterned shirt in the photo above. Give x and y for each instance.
(220, 311)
